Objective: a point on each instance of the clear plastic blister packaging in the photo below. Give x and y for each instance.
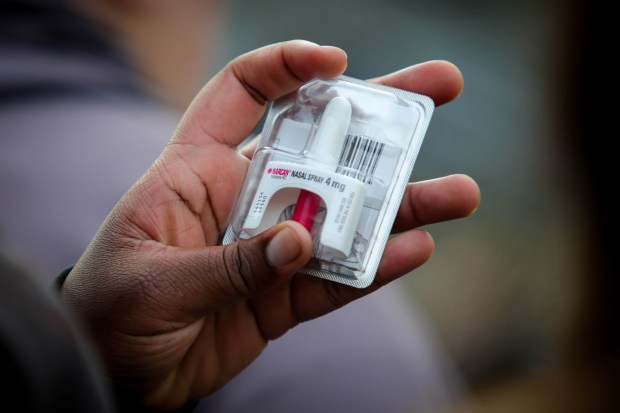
(335, 156)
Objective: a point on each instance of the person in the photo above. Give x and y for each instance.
(91, 91)
(174, 315)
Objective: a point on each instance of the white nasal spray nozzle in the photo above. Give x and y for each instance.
(332, 131)
(317, 180)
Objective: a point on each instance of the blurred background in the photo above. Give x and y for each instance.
(500, 287)
(520, 290)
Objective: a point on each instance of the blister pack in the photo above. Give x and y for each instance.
(335, 156)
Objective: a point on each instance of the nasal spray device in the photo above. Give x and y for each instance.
(336, 157)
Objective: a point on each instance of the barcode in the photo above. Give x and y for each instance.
(359, 157)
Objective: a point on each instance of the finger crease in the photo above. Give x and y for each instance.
(229, 273)
(209, 202)
(246, 272)
(207, 198)
(331, 292)
(251, 90)
(289, 69)
(416, 215)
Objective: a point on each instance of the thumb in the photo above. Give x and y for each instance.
(247, 267)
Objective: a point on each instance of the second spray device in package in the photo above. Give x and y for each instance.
(335, 156)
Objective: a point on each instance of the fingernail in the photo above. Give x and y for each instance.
(336, 48)
(308, 42)
(283, 248)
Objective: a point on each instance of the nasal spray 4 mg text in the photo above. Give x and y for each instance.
(335, 156)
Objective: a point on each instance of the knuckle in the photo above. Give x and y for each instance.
(238, 266)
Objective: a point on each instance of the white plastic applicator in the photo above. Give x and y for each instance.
(326, 147)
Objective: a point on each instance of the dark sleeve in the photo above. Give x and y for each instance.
(60, 278)
(47, 363)
(125, 403)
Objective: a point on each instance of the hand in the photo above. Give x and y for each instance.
(174, 314)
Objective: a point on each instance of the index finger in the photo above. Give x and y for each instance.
(231, 104)
(440, 80)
